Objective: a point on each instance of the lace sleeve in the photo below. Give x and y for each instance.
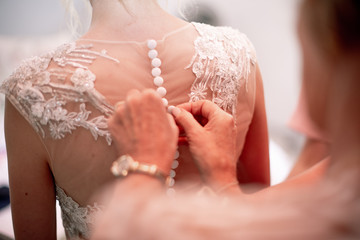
(19, 88)
(53, 92)
(222, 64)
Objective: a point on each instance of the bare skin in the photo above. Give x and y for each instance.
(28, 197)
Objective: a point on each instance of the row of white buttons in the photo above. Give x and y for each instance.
(158, 82)
(156, 71)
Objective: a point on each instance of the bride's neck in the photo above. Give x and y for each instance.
(124, 17)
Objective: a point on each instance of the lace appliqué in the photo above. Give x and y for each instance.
(41, 95)
(222, 62)
(77, 221)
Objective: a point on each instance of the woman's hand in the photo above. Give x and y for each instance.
(212, 145)
(142, 128)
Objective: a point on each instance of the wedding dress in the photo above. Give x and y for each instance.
(68, 94)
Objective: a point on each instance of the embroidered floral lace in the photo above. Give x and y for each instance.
(41, 91)
(76, 220)
(222, 63)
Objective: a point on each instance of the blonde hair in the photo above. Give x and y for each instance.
(74, 23)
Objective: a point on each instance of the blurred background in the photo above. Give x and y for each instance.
(33, 27)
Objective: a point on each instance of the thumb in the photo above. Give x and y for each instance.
(186, 120)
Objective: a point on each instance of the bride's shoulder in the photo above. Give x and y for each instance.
(53, 89)
(67, 64)
(228, 36)
(33, 70)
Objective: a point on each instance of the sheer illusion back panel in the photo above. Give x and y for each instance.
(77, 158)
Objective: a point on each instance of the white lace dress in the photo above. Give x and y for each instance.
(70, 92)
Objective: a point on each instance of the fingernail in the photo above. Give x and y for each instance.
(175, 111)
